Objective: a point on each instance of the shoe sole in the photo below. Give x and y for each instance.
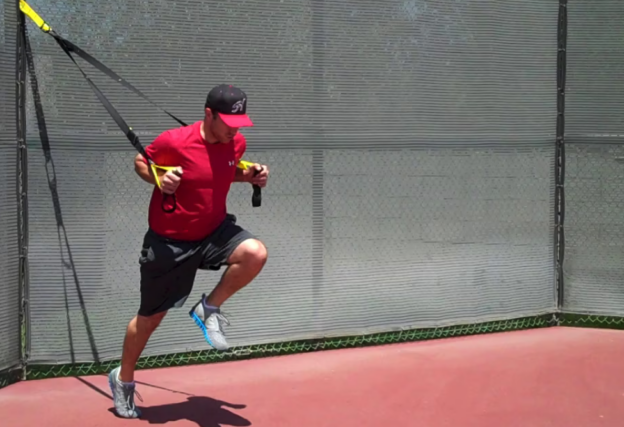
(111, 385)
(201, 325)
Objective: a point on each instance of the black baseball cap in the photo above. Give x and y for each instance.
(231, 104)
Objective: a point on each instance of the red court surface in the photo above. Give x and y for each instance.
(549, 377)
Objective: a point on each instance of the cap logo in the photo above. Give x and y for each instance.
(238, 106)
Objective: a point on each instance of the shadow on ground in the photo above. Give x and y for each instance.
(202, 410)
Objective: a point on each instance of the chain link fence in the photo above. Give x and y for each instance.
(439, 218)
(594, 207)
(438, 244)
(594, 271)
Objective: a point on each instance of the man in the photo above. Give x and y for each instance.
(198, 234)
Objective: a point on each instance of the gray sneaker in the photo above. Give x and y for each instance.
(211, 322)
(123, 396)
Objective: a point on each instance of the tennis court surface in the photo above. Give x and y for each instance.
(541, 377)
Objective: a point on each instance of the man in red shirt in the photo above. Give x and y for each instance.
(198, 235)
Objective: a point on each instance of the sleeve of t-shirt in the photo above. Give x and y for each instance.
(161, 149)
(240, 147)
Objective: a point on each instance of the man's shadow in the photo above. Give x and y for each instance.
(202, 410)
(205, 411)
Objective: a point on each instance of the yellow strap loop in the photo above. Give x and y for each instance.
(157, 175)
(243, 164)
(28, 11)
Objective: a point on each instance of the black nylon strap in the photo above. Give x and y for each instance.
(107, 104)
(69, 47)
(103, 68)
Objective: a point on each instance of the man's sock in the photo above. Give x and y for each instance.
(124, 383)
(209, 308)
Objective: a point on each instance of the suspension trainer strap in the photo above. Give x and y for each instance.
(125, 128)
(69, 48)
(103, 68)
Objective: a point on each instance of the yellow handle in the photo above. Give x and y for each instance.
(156, 168)
(243, 164)
(28, 11)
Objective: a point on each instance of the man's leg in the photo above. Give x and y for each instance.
(245, 256)
(244, 264)
(168, 271)
(121, 379)
(139, 330)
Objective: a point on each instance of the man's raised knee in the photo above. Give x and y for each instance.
(251, 253)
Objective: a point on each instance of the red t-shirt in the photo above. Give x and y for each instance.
(207, 173)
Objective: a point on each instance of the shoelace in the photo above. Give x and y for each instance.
(130, 398)
(221, 318)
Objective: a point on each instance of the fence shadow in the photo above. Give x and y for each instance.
(64, 246)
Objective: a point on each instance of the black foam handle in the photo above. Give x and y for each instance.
(256, 198)
(172, 208)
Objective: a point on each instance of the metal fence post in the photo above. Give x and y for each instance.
(22, 186)
(560, 152)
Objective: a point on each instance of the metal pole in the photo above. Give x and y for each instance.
(22, 186)
(562, 34)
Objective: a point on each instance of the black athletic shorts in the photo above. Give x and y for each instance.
(168, 266)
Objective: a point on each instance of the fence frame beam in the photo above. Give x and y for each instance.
(22, 186)
(559, 246)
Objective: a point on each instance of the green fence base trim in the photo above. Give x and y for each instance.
(9, 377)
(591, 321)
(295, 347)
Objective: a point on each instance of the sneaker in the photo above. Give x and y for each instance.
(123, 396)
(210, 321)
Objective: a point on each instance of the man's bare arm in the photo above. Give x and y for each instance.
(169, 182)
(143, 170)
